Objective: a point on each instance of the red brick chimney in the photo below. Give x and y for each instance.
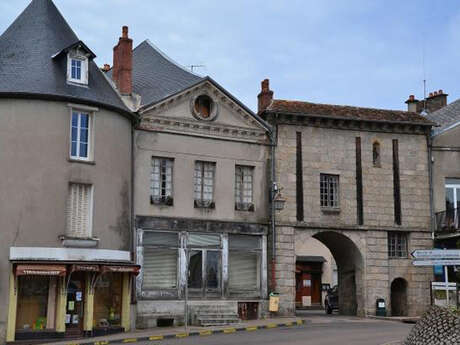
(123, 63)
(265, 96)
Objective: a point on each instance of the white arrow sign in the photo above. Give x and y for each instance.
(436, 262)
(436, 254)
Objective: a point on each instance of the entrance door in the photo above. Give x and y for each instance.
(75, 305)
(399, 297)
(204, 278)
(316, 289)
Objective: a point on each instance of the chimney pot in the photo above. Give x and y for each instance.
(431, 94)
(124, 31)
(440, 92)
(435, 93)
(411, 98)
(106, 67)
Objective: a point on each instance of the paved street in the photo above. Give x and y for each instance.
(321, 330)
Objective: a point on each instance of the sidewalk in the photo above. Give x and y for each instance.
(179, 332)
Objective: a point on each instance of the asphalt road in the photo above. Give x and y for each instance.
(321, 330)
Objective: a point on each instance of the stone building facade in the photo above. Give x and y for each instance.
(357, 180)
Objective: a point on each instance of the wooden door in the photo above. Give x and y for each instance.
(316, 289)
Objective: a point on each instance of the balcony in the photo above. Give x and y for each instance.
(447, 222)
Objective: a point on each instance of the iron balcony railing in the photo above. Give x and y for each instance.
(448, 221)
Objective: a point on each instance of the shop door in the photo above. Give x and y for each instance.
(204, 278)
(75, 305)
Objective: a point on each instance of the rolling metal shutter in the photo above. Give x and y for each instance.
(160, 268)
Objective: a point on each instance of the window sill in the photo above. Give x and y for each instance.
(244, 207)
(330, 209)
(168, 201)
(77, 242)
(398, 257)
(76, 160)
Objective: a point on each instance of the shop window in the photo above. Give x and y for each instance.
(244, 262)
(160, 260)
(107, 300)
(35, 300)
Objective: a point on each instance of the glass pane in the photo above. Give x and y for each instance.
(169, 239)
(83, 150)
(203, 240)
(84, 135)
(212, 269)
(84, 120)
(32, 308)
(449, 198)
(74, 119)
(244, 242)
(195, 279)
(74, 148)
(458, 198)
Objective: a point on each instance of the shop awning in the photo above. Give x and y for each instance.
(84, 268)
(134, 269)
(41, 270)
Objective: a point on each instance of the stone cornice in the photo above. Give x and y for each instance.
(305, 225)
(348, 124)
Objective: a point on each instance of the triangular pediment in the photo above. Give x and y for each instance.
(223, 115)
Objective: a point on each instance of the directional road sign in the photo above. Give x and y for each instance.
(436, 262)
(436, 254)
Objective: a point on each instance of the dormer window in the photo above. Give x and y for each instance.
(77, 68)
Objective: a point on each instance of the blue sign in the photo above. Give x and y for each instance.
(438, 270)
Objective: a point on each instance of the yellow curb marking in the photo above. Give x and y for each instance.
(202, 333)
(156, 337)
(130, 340)
(272, 325)
(299, 322)
(181, 335)
(103, 342)
(229, 330)
(251, 328)
(288, 324)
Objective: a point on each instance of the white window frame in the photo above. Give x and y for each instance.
(455, 187)
(90, 134)
(84, 68)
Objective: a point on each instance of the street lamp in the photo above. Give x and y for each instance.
(277, 198)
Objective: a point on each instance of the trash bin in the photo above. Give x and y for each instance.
(274, 302)
(380, 307)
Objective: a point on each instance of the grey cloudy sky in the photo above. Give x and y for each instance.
(356, 52)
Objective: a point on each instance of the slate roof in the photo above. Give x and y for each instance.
(27, 68)
(156, 77)
(445, 117)
(346, 112)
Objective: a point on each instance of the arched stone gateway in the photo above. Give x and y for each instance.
(399, 297)
(347, 251)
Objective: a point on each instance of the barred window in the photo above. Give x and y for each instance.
(397, 244)
(204, 183)
(329, 190)
(161, 181)
(244, 187)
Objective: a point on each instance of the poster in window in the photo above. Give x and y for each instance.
(67, 318)
(71, 306)
(75, 319)
(78, 296)
(306, 283)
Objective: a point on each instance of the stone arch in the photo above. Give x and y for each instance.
(348, 254)
(398, 295)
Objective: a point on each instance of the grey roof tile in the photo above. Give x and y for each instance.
(28, 69)
(155, 76)
(446, 116)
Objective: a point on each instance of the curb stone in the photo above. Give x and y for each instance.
(229, 330)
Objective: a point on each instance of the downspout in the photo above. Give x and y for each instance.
(133, 218)
(430, 176)
(273, 226)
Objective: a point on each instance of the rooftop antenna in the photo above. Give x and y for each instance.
(424, 112)
(192, 67)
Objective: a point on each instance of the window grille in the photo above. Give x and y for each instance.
(204, 183)
(329, 191)
(161, 183)
(244, 187)
(397, 244)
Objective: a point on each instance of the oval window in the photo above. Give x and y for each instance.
(203, 106)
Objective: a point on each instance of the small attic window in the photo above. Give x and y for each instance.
(77, 68)
(203, 106)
